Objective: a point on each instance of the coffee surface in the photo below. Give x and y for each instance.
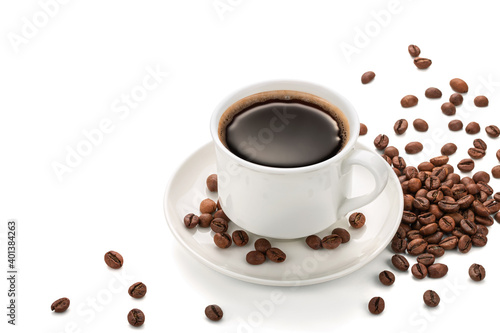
(285, 134)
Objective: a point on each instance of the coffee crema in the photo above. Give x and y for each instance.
(284, 128)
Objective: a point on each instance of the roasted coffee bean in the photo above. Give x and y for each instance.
(455, 125)
(400, 126)
(399, 245)
(138, 290)
(472, 128)
(222, 240)
(468, 227)
(400, 233)
(331, 242)
(480, 144)
(344, 234)
(422, 63)
(495, 171)
(208, 206)
(205, 220)
(448, 206)
(416, 247)
(387, 159)
(367, 77)
(409, 101)
(484, 187)
(400, 262)
(426, 218)
(448, 109)
(432, 183)
(421, 204)
(479, 240)
(458, 191)
(464, 244)
(381, 142)
(493, 131)
(487, 221)
(481, 229)
(436, 250)
(449, 149)
(276, 255)
(314, 242)
(396, 171)
(476, 153)
(466, 165)
(492, 206)
(413, 234)
(411, 172)
(437, 271)
(481, 101)
(357, 220)
(420, 125)
(240, 237)
(113, 259)
(426, 259)
(414, 50)
(414, 185)
(419, 271)
(465, 201)
(255, 258)
(408, 217)
(387, 278)
(421, 193)
(408, 200)
(481, 176)
(214, 312)
(459, 86)
(431, 298)
(191, 221)
(498, 155)
(428, 229)
(376, 305)
(449, 243)
(136, 317)
(433, 93)
(455, 178)
(434, 196)
(219, 225)
(363, 129)
(477, 272)
(479, 209)
(456, 99)
(496, 197)
(61, 305)
(262, 245)
(435, 238)
(212, 183)
(472, 189)
(414, 147)
(399, 162)
(425, 166)
(391, 151)
(221, 215)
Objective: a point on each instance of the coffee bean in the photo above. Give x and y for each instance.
(433, 93)
(493, 131)
(476, 153)
(477, 272)
(484, 187)
(448, 109)
(399, 245)
(255, 258)
(459, 86)
(262, 245)
(492, 206)
(363, 129)
(498, 155)
(420, 125)
(391, 151)
(204, 220)
(449, 149)
(472, 128)
(208, 206)
(479, 239)
(436, 250)
(191, 221)
(214, 312)
(422, 63)
(409, 101)
(479, 209)
(240, 237)
(426, 166)
(455, 125)
(401, 126)
(427, 218)
(331, 242)
(468, 227)
(387, 278)
(136, 317)
(466, 201)
(449, 243)
(414, 50)
(113, 259)
(480, 144)
(381, 142)
(138, 290)
(481, 229)
(222, 240)
(414, 185)
(344, 234)
(419, 271)
(431, 298)
(219, 225)
(437, 271)
(367, 77)
(435, 238)
(495, 171)
(221, 215)
(464, 244)
(400, 262)
(61, 305)
(357, 220)
(466, 165)
(481, 101)
(212, 183)
(417, 246)
(432, 183)
(276, 255)
(456, 99)
(487, 221)
(314, 242)
(399, 162)
(376, 305)
(439, 160)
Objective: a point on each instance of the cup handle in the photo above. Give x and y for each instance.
(378, 169)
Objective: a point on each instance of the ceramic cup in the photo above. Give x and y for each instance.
(289, 203)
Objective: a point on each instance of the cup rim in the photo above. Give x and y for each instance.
(349, 112)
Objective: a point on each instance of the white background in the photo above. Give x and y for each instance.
(67, 76)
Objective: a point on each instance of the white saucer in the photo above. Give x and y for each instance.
(303, 266)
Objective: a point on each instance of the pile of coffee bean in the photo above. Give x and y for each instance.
(263, 250)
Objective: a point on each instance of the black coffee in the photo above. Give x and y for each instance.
(284, 133)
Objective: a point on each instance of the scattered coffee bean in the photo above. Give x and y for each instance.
(420, 125)
(466, 165)
(437, 271)
(381, 142)
(222, 240)
(138, 290)
(367, 77)
(409, 101)
(414, 50)
(493, 131)
(357, 220)
(422, 63)
(477, 272)
(459, 86)
(449, 149)
(400, 262)
(439, 161)
(212, 183)
(426, 259)
(221, 215)
(448, 109)
(240, 237)
(455, 125)
(495, 172)
(472, 128)
(219, 225)
(401, 126)
(191, 221)
(136, 317)
(433, 93)
(331, 242)
(363, 129)
(276, 255)
(431, 298)
(204, 220)
(61, 305)
(478, 143)
(387, 278)
(255, 258)
(262, 245)
(376, 305)
(481, 101)
(314, 242)
(113, 259)
(419, 271)
(208, 206)
(214, 312)
(344, 234)
(456, 99)
(476, 153)
(391, 152)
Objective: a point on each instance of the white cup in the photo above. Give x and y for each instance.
(296, 202)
